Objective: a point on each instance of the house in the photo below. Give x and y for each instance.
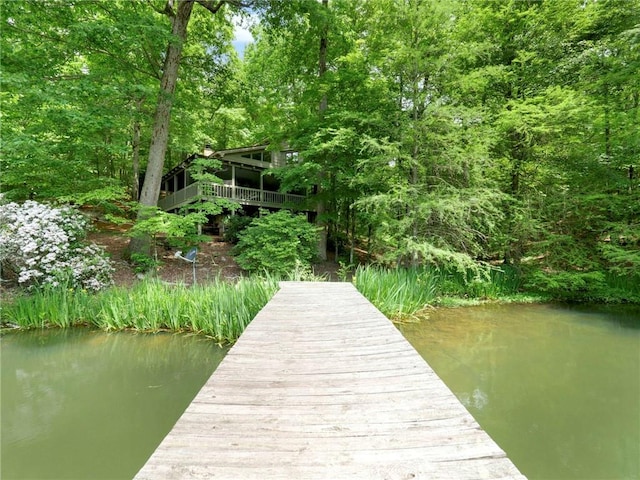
(247, 179)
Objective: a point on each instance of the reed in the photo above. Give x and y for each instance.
(490, 284)
(398, 293)
(50, 306)
(402, 293)
(220, 310)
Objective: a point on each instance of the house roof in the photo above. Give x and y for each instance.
(220, 154)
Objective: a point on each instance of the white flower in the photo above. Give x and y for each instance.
(36, 242)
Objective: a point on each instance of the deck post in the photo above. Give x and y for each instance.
(261, 188)
(233, 181)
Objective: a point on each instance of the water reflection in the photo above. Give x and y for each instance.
(87, 404)
(557, 387)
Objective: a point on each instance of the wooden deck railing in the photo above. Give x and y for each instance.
(242, 195)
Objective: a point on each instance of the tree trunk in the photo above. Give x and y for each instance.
(607, 123)
(135, 147)
(353, 235)
(160, 135)
(413, 175)
(415, 260)
(321, 207)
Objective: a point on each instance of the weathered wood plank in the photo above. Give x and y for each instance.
(322, 386)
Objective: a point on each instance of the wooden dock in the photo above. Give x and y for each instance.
(322, 386)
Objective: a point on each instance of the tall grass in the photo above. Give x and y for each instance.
(401, 293)
(398, 293)
(220, 310)
(492, 283)
(66, 306)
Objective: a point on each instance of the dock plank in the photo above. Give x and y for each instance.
(322, 386)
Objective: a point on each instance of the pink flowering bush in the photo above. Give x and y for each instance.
(43, 245)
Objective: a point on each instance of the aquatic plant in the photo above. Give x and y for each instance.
(220, 310)
(401, 293)
(47, 306)
(398, 293)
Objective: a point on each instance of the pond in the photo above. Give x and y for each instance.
(557, 387)
(80, 403)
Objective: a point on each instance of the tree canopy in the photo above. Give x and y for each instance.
(459, 133)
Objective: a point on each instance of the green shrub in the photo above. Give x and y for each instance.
(277, 243)
(143, 263)
(233, 226)
(567, 285)
(621, 288)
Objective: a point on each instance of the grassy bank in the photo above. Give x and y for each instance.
(220, 309)
(403, 293)
(586, 287)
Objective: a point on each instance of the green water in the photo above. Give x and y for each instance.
(86, 404)
(558, 388)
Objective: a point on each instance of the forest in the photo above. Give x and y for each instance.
(470, 135)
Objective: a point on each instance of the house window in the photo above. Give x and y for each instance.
(291, 157)
(260, 156)
(181, 180)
